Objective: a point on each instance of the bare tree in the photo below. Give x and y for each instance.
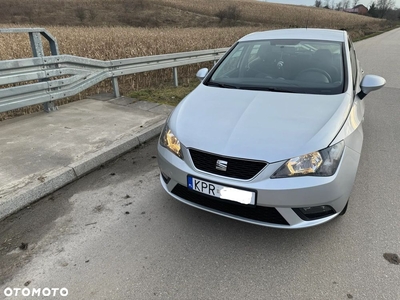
(346, 4)
(80, 13)
(333, 4)
(318, 3)
(355, 2)
(339, 5)
(383, 6)
(231, 13)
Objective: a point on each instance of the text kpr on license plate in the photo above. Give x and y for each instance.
(219, 191)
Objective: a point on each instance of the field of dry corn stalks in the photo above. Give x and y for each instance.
(107, 43)
(117, 42)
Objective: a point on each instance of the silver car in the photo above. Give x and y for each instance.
(273, 134)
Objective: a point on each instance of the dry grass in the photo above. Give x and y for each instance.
(279, 15)
(176, 13)
(138, 13)
(115, 42)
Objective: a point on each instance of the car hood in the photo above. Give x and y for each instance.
(258, 125)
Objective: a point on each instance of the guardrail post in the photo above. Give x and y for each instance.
(36, 44)
(175, 72)
(116, 87)
(37, 51)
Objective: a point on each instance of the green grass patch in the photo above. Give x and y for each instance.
(165, 94)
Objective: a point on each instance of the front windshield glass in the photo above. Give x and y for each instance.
(295, 66)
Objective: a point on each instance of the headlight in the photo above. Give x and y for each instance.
(320, 163)
(170, 141)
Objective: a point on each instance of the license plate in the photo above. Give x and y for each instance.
(220, 191)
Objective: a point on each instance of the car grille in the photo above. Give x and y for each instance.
(237, 168)
(259, 213)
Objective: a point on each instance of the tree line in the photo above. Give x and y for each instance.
(377, 9)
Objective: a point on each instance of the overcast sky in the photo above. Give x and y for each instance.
(312, 2)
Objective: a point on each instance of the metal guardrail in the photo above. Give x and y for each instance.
(59, 76)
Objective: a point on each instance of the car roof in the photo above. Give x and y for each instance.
(298, 33)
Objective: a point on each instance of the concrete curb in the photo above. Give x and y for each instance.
(56, 179)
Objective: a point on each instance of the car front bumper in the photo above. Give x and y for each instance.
(276, 199)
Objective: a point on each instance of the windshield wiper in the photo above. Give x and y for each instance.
(253, 88)
(268, 89)
(222, 85)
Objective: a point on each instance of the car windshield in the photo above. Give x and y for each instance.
(293, 66)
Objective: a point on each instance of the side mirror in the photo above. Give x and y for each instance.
(370, 83)
(201, 73)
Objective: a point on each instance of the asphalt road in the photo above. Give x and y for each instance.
(115, 234)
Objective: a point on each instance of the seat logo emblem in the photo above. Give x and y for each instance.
(221, 165)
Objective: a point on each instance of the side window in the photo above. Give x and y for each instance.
(353, 60)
